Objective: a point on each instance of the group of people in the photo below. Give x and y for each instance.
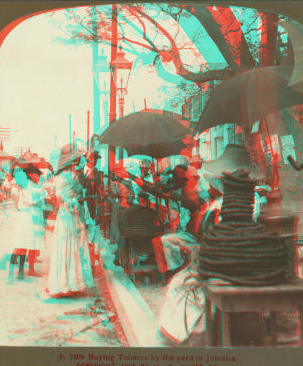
(68, 261)
(185, 209)
(83, 204)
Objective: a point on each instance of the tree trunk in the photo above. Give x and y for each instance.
(268, 39)
(268, 126)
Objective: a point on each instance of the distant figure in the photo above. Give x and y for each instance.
(189, 141)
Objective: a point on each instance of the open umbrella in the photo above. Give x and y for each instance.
(36, 162)
(40, 163)
(146, 133)
(5, 156)
(295, 32)
(158, 150)
(248, 96)
(176, 116)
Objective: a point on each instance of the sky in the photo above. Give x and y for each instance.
(43, 82)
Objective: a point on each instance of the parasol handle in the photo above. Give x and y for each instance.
(294, 163)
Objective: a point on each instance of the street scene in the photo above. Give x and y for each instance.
(151, 159)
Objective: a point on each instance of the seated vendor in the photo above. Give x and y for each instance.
(182, 315)
(186, 194)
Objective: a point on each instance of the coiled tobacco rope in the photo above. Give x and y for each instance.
(237, 249)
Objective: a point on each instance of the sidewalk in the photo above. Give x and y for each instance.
(27, 320)
(135, 315)
(128, 319)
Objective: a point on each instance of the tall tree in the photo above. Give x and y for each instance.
(176, 41)
(161, 34)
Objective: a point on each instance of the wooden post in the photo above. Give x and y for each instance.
(113, 108)
(87, 130)
(95, 58)
(70, 133)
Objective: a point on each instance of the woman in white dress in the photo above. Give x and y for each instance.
(70, 269)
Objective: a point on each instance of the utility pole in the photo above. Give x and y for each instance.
(95, 47)
(70, 133)
(112, 113)
(4, 135)
(87, 130)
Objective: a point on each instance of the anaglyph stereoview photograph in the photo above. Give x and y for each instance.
(151, 160)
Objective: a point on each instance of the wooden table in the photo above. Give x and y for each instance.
(239, 299)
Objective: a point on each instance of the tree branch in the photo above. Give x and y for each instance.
(201, 77)
(53, 23)
(139, 31)
(206, 19)
(137, 43)
(180, 69)
(172, 54)
(174, 50)
(245, 56)
(205, 76)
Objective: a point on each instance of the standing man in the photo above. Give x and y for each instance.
(91, 180)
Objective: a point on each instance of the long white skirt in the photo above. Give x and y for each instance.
(23, 235)
(183, 311)
(69, 271)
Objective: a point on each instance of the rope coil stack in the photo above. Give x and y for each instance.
(237, 249)
(238, 198)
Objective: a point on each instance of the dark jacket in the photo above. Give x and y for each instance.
(93, 183)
